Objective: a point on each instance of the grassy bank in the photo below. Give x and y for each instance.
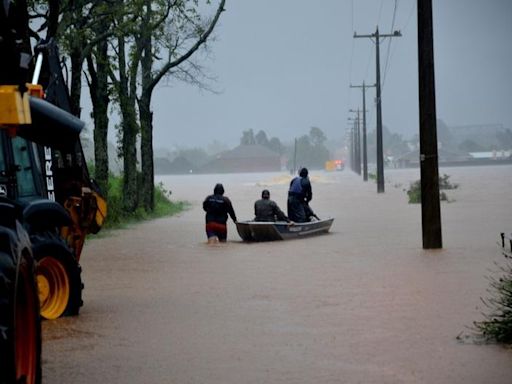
(119, 218)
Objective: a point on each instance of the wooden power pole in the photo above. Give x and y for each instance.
(380, 152)
(365, 151)
(430, 205)
(357, 142)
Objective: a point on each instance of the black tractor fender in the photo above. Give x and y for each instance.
(10, 211)
(13, 237)
(43, 215)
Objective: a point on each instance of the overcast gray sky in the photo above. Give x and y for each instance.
(286, 65)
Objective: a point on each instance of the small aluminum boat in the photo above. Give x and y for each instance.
(280, 230)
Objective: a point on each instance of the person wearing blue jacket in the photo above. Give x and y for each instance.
(299, 196)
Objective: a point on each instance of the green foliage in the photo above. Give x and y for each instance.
(117, 217)
(444, 183)
(311, 151)
(248, 138)
(275, 145)
(414, 191)
(317, 136)
(261, 138)
(497, 325)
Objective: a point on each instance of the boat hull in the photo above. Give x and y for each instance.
(263, 231)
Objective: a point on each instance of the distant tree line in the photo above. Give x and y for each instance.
(261, 138)
(307, 150)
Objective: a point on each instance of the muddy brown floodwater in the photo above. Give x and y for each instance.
(362, 304)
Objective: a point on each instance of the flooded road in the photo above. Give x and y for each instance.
(362, 304)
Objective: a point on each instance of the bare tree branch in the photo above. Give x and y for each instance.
(161, 73)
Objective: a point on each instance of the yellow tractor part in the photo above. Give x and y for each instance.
(101, 212)
(87, 214)
(14, 107)
(54, 288)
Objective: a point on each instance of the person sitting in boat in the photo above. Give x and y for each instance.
(268, 210)
(217, 207)
(299, 196)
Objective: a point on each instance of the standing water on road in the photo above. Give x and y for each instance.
(362, 304)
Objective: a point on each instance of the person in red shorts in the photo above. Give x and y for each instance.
(218, 207)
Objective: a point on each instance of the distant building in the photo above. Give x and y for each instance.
(412, 159)
(244, 158)
(493, 155)
(454, 158)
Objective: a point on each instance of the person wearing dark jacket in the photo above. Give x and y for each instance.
(299, 196)
(218, 207)
(267, 210)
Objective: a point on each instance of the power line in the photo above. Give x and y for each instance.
(389, 45)
(352, 14)
(351, 54)
(380, 11)
(410, 15)
(369, 61)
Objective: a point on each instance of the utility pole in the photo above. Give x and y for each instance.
(352, 149)
(365, 151)
(380, 153)
(350, 136)
(357, 143)
(430, 205)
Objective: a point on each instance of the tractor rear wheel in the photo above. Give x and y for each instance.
(20, 323)
(58, 277)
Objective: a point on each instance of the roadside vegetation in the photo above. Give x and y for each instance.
(117, 217)
(414, 191)
(497, 326)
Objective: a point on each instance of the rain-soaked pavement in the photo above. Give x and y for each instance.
(363, 304)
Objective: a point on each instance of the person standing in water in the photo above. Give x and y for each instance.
(299, 196)
(217, 208)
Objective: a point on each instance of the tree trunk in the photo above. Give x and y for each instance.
(146, 150)
(146, 117)
(100, 99)
(149, 80)
(76, 80)
(129, 133)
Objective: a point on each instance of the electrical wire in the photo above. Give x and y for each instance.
(372, 53)
(386, 66)
(349, 93)
(380, 11)
(410, 15)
